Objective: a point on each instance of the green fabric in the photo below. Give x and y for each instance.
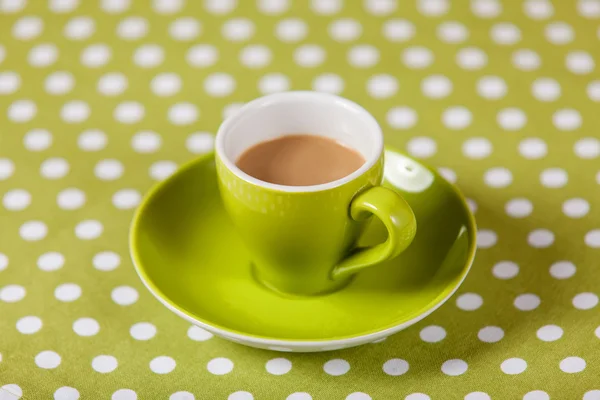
(503, 96)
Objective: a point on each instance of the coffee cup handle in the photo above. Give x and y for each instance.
(399, 220)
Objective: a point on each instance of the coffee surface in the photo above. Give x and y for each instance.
(299, 160)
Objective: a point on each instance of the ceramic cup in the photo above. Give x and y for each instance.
(302, 238)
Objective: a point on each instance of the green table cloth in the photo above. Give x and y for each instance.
(100, 99)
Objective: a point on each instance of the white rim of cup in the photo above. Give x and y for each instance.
(374, 131)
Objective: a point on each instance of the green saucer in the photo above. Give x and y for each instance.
(188, 255)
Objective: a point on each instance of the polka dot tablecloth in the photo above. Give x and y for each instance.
(100, 99)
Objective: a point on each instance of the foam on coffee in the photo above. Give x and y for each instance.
(299, 160)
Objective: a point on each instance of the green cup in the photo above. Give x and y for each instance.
(302, 238)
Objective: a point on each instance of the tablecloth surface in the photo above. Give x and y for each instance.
(100, 99)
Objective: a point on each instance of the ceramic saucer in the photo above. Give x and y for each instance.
(188, 255)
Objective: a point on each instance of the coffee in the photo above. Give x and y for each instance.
(299, 160)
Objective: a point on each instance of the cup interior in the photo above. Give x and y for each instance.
(294, 113)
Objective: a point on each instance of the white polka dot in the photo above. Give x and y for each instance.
(183, 113)
(108, 170)
(404, 118)
(129, 112)
(202, 55)
(417, 396)
(162, 170)
(448, 174)
(16, 199)
(511, 119)
(546, 89)
(554, 177)
(162, 365)
(457, 117)
(309, 55)
(104, 364)
(88, 229)
(328, 83)
(198, 334)
(66, 393)
(220, 366)
(142, 331)
(451, 32)
(559, 33)
(432, 334)
(37, 140)
(299, 396)
(363, 56)
(75, 111)
(278, 366)
(562, 269)
(291, 30)
(3, 261)
(436, 86)
(231, 109)
(59, 83)
(566, 119)
(146, 142)
(527, 302)
(336, 367)
(593, 91)
(589, 8)
(92, 140)
(168, 6)
(10, 7)
(182, 396)
(505, 33)
(166, 84)
(27, 28)
(454, 367)
(200, 142)
(580, 62)
(499, 177)
(240, 395)
(124, 295)
(417, 57)
(9, 82)
(398, 30)
(112, 84)
(540, 238)
(576, 208)
(505, 270)
(79, 28)
(538, 9)
(526, 60)
(472, 205)
(47, 359)
(486, 8)
(185, 29)
(273, 83)
(477, 148)
(486, 238)
(585, 301)
(273, 7)
(22, 111)
(513, 366)
(219, 84)
(238, 29)
(490, 334)
(126, 199)
(536, 395)
(549, 333)
(358, 396)
(132, 28)
(67, 292)
(382, 86)
(12, 293)
(592, 238)
(63, 6)
(572, 365)
(124, 394)
(471, 58)
(433, 8)
(518, 208)
(469, 301)
(477, 396)
(345, 30)
(597, 332)
(51, 261)
(29, 325)
(7, 168)
(218, 7)
(422, 147)
(395, 367)
(533, 148)
(70, 199)
(148, 56)
(592, 395)
(115, 6)
(587, 148)
(96, 55)
(86, 327)
(106, 261)
(33, 231)
(380, 7)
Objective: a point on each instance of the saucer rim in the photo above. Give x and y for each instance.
(261, 340)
